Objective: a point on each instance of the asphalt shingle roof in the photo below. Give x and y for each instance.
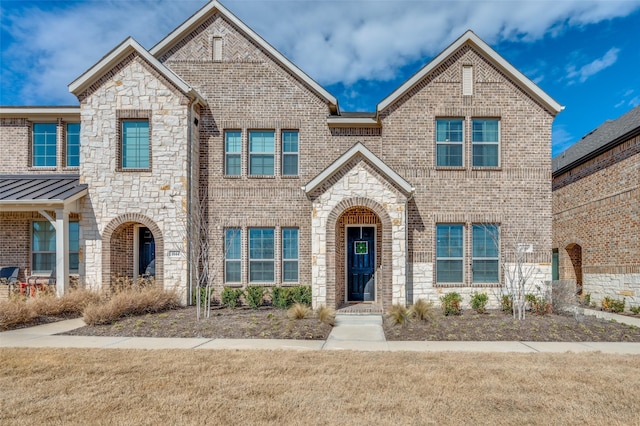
(607, 133)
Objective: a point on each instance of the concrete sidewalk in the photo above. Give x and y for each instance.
(359, 333)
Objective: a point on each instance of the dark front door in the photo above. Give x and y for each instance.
(147, 252)
(361, 263)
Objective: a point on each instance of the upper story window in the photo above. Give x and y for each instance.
(486, 245)
(449, 253)
(135, 144)
(73, 144)
(290, 153)
(261, 153)
(449, 142)
(232, 152)
(486, 142)
(44, 145)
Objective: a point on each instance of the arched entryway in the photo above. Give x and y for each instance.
(359, 247)
(574, 252)
(132, 246)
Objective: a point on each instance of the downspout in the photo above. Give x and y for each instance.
(189, 201)
(406, 248)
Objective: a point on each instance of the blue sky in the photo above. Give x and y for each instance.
(584, 54)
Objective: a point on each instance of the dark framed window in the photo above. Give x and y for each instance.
(290, 153)
(485, 142)
(43, 247)
(73, 144)
(233, 255)
(290, 255)
(261, 153)
(449, 253)
(261, 255)
(44, 144)
(232, 152)
(486, 248)
(449, 142)
(135, 144)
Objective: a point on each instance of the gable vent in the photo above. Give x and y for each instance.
(467, 80)
(217, 48)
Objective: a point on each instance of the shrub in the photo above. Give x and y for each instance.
(506, 304)
(133, 302)
(398, 314)
(612, 305)
(231, 297)
(585, 299)
(538, 304)
(421, 310)
(14, 312)
(298, 311)
(281, 297)
(479, 302)
(203, 296)
(301, 294)
(254, 296)
(635, 310)
(326, 315)
(451, 304)
(71, 303)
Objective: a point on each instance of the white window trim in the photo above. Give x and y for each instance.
(446, 142)
(283, 260)
(498, 142)
(464, 242)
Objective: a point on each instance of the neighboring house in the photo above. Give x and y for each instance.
(596, 211)
(389, 206)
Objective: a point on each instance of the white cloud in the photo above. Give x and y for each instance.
(561, 138)
(332, 41)
(593, 67)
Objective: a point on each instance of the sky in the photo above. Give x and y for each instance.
(584, 54)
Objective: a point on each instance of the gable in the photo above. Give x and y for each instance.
(495, 68)
(194, 41)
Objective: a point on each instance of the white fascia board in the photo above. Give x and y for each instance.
(358, 148)
(192, 23)
(336, 121)
(41, 113)
(499, 61)
(115, 56)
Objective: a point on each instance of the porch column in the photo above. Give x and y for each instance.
(62, 251)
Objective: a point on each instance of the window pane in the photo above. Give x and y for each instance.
(449, 131)
(261, 153)
(289, 164)
(232, 244)
(261, 271)
(485, 271)
(135, 144)
(73, 144)
(449, 155)
(485, 130)
(261, 165)
(233, 141)
(43, 246)
(261, 142)
(43, 262)
(449, 241)
(485, 155)
(449, 271)
(485, 240)
(290, 243)
(232, 271)
(232, 168)
(261, 241)
(290, 141)
(290, 271)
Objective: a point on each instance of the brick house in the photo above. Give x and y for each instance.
(420, 197)
(596, 211)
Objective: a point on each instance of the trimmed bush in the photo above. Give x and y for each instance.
(451, 304)
(254, 296)
(301, 294)
(231, 297)
(284, 297)
(479, 302)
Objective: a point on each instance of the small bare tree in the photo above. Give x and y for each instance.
(517, 259)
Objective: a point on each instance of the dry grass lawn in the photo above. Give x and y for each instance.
(71, 386)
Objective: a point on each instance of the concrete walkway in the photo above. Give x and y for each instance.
(360, 333)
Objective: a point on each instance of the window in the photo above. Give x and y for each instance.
(449, 137)
(135, 144)
(43, 247)
(486, 245)
(449, 253)
(44, 144)
(261, 255)
(232, 257)
(261, 153)
(73, 144)
(290, 153)
(485, 142)
(290, 255)
(232, 152)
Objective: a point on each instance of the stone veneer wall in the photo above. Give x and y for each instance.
(596, 206)
(155, 198)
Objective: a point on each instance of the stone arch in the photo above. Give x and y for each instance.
(107, 237)
(384, 285)
(574, 269)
